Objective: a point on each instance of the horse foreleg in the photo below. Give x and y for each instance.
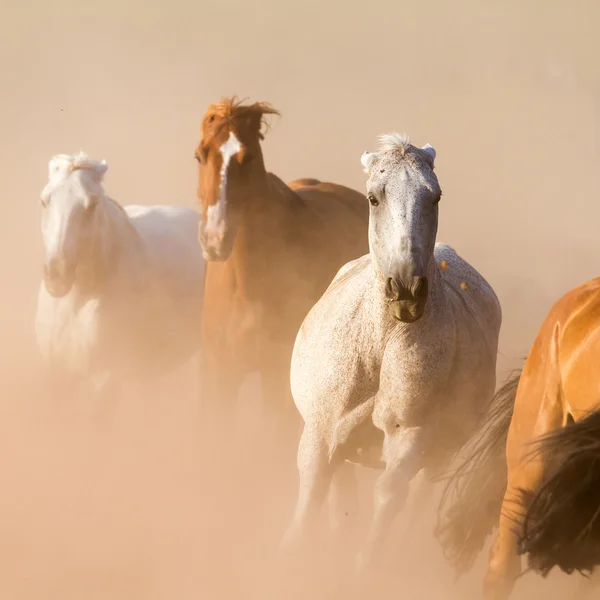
(343, 502)
(315, 474)
(419, 501)
(504, 564)
(402, 453)
(525, 475)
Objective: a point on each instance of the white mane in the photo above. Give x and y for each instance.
(394, 141)
(62, 165)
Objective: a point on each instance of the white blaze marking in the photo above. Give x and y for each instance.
(215, 215)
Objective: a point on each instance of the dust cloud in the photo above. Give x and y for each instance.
(142, 506)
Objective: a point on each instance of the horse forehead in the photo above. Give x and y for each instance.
(217, 132)
(406, 175)
(390, 175)
(231, 146)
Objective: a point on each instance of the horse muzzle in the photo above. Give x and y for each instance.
(58, 279)
(407, 298)
(216, 245)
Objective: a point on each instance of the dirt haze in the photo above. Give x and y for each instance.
(509, 95)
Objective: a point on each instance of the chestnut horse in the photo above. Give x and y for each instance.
(535, 463)
(272, 250)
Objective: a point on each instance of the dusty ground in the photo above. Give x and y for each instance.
(510, 98)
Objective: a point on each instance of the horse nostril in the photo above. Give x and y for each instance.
(392, 289)
(50, 271)
(421, 286)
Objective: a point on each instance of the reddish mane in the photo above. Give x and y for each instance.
(232, 109)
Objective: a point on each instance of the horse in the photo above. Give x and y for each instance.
(271, 248)
(393, 365)
(532, 468)
(122, 288)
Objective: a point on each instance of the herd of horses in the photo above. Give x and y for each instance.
(385, 340)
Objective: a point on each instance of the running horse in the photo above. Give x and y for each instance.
(533, 468)
(272, 250)
(121, 296)
(395, 363)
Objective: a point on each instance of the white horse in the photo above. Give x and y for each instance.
(122, 290)
(394, 364)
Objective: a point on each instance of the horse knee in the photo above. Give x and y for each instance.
(502, 572)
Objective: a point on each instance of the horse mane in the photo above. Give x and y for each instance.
(81, 160)
(562, 525)
(471, 501)
(394, 141)
(61, 166)
(232, 109)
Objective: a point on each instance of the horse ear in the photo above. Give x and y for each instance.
(253, 123)
(430, 151)
(98, 171)
(367, 160)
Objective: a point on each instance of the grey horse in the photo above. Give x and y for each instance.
(393, 366)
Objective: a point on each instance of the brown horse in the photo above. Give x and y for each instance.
(535, 461)
(272, 249)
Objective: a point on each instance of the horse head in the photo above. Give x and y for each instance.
(229, 156)
(404, 193)
(69, 201)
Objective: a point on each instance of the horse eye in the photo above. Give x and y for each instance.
(201, 155)
(373, 200)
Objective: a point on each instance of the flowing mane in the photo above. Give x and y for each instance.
(399, 144)
(233, 109)
(394, 141)
(80, 161)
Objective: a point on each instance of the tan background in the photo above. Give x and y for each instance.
(509, 95)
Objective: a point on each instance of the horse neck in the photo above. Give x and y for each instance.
(113, 238)
(268, 214)
(379, 301)
(436, 285)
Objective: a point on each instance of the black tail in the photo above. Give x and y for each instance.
(562, 525)
(470, 505)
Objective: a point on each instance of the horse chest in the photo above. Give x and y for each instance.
(74, 336)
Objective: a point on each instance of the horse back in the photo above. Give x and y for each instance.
(322, 226)
(577, 319)
(559, 378)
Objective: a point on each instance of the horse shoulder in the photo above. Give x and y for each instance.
(66, 333)
(350, 269)
(330, 355)
(468, 288)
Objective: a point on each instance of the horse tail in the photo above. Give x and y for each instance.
(562, 524)
(471, 502)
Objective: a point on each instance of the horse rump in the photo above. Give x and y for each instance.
(562, 524)
(472, 499)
